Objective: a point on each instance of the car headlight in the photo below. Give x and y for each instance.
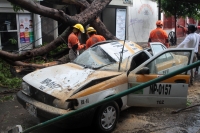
(61, 104)
(26, 88)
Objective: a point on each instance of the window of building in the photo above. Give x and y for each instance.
(8, 21)
(114, 18)
(16, 32)
(8, 32)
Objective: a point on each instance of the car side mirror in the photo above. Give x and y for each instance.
(144, 70)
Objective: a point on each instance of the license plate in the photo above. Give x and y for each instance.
(31, 109)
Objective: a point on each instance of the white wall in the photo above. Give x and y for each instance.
(120, 2)
(5, 3)
(142, 17)
(37, 30)
(6, 7)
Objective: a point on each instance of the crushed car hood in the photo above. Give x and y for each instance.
(62, 80)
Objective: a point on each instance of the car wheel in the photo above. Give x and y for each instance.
(107, 117)
(172, 38)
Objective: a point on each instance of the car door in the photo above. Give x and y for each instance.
(171, 92)
(157, 47)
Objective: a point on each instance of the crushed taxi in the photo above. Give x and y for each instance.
(105, 69)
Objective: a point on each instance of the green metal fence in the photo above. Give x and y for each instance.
(114, 97)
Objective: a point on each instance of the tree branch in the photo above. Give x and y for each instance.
(37, 51)
(33, 65)
(95, 8)
(89, 14)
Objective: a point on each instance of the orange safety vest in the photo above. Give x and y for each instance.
(94, 39)
(159, 35)
(73, 40)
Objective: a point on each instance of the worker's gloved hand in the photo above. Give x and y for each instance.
(75, 47)
(84, 46)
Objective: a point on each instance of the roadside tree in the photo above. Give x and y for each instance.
(181, 8)
(89, 12)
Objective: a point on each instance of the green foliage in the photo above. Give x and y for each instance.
(13, 41)
(6, 78)
(16, 8)
(50, 55)
(58, 49)
(6, 98)
(180, 9)
(188, 103)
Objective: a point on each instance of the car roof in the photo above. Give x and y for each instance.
(114, 48)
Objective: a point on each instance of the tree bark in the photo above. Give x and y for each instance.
(102, 30)
(33, 65)
(34, 52)
(84, 17)
(87, 16)
(84, 3)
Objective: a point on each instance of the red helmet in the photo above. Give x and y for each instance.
(159, 22)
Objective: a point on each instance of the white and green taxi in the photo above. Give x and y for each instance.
(103, 70)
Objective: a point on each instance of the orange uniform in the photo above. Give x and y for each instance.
(94, 39)
(73, 40)
(159, 35)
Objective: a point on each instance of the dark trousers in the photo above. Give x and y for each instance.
(198, 58)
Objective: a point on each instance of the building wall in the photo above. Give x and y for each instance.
(5, 6)
(27, 37)
(141, 18)
(121, 2)
(47, 26)
(9, 30)
(47, 30)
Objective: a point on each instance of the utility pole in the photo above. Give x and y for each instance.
(159, 9)
(175, 17)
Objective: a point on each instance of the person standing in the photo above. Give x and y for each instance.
(93, 37)
(191, 41)
(159, 35)
(198, 58)
(198, 53)
(184, 28)
(74, 43)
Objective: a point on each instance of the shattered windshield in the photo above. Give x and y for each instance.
(94, 57)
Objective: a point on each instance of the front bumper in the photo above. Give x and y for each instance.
(46, 112)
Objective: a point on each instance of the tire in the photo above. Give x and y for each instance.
(172, 38)
(107, 117)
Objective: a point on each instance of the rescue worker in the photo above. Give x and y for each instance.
(159, 35)
(191, 41)
(93, 37)
(73, 41)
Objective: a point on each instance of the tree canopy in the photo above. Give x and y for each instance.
(181, 8)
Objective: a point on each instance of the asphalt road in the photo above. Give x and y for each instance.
(12, 113)
(133, 120)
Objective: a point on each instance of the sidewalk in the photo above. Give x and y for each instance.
(180, 39)
(145, 44)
